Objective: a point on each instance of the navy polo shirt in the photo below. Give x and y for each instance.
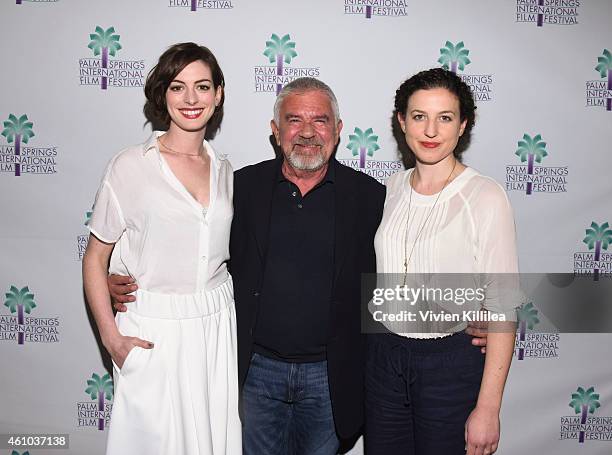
(294, 312)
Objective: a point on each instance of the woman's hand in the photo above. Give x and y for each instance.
(120, 346)
(482, 431)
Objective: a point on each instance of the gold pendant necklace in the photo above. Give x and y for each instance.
(407, 256)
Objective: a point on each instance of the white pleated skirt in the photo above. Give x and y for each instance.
(181, 397)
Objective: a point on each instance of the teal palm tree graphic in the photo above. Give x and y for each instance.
(598, 237)
(100, 388)
(107, 43)
(528, 318)
(604, 66)
(87, 217)
(363, 142)
(14, 452)
(20, 300)
(453, 56)
(530, 149)
(584, 402)
(279, 50)
(18, 130)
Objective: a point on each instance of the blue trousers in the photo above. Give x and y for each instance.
(419, 394)
(287, 409)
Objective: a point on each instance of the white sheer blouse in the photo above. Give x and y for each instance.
(163, 237)
(470, 230)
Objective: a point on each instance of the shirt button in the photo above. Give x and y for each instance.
(203, 258)
(300, 206)
(294, 194)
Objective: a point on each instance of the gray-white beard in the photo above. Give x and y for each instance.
(306, 163)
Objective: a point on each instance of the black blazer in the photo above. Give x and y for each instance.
(359, 205)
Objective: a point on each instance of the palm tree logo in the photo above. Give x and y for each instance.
(528, 318)
(363, 142)
(18, 130)
(584, 402)
(87, 217)
(604, 66)
(107, 43)
(279, 50)
(530, 149)
(453, 56)
(20, 301)
(598, 237)
(14, 452)
(100, 388)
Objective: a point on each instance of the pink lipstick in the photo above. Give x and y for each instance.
(429, 145)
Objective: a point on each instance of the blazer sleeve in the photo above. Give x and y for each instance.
(238, 230)
(377, 202)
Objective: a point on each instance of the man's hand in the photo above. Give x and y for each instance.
(119, 286)
(478, 329)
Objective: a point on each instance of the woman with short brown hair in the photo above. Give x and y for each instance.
(162, 216)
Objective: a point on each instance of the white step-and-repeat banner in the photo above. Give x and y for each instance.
(72, 95)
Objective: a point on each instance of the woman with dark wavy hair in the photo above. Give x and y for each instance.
(429, 391)
(162, 216)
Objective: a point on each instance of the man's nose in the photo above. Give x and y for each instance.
(307, 130)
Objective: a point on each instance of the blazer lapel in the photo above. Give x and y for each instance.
(263, 191)
(346, 215)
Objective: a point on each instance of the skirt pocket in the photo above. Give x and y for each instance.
(129, 325)
(129, 360)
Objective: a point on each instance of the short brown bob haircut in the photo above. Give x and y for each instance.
(170, 63)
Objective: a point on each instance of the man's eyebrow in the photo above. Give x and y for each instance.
(291, 115)
(322, 116)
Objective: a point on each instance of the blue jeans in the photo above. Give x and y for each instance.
(287, 409)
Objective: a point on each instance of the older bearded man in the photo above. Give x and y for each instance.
(302, 235)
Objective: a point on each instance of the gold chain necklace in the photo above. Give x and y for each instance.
(407, 256)
(168, 149)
